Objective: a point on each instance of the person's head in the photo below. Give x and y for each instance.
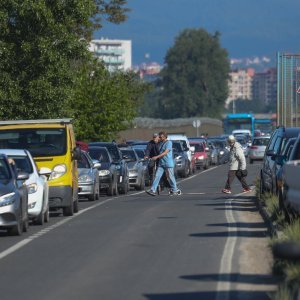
(231, 140)
(155, 137)
(163, 136)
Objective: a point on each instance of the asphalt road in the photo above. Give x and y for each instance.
(143, 247)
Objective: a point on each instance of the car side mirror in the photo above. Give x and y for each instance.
(45, 171)
(280, 160)
(271, 153)
(22, 176)
(96, 165)
(76, 153)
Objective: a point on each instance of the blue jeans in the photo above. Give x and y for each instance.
(170, 174)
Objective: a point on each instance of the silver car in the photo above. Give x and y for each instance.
(135, 168)
(258, 148)
(13, 198)
(88, 177)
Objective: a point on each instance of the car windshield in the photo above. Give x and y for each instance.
(4, 170)
(129, 155)
(260, 142)
(177, 146)
(99, 154)
(83, 163)
(198, 148)
(140, 153)
(23, 163)
(40, 142)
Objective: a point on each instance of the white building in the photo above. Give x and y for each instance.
(116, 54)
(240, 85)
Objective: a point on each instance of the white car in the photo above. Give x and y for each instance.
(37, 185)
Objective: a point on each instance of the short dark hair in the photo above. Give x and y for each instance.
(163, 133)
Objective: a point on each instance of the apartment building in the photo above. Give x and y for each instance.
(264, 86)
(116, 54)
(240, 84)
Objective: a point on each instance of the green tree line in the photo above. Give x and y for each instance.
(46, 70)
(194, 81)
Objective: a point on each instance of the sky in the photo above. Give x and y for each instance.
(248, 28)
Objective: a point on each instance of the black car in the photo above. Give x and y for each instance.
(13, 198)
(274, 149)
(292, 152)
(108, 170)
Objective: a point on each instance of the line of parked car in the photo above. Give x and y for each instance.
(281, 152)
(42, 168)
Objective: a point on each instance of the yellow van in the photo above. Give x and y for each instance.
(52, 144)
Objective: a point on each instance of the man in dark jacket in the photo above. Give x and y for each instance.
(151, 151)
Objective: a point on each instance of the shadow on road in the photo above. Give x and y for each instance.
(261, 279)
(210, 295)
(239, 225)
(247, 234)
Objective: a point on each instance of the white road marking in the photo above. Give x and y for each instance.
(194, 193)
(44, 231)
(223, 286)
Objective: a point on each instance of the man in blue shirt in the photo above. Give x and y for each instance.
(165, 164)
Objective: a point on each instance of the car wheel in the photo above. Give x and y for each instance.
(76, 205)
(116, 191)
(69, 210)
(251, 161)
(47, 215)
(17, 229)
(110, 190)
(40, 219)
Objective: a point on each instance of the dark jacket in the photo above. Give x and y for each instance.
(152, 149)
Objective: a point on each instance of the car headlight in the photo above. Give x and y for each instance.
(32, 188)
(104, 172)
(221, 152)
(58, 171)
(178, 157)
(200, 157)
(85, 178)
(7, 199)
(118, 167)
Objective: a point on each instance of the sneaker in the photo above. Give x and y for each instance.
(247, 190)
(177, 193)
(226, 191)
(150, 192)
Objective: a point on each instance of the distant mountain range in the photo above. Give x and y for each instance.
(256, 28)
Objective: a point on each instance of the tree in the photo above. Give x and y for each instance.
(40, 43)
(195, 79)
(105, 102)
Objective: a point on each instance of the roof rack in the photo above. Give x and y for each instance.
(42, 121)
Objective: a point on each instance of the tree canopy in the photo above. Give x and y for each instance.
(105, 102)
(194, 81)
(46, 70)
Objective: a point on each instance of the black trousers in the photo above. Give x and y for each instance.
(231, 175)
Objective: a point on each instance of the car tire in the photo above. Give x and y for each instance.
(69, 210)
(17, 229)
(261, 187)
(110, 190)
(40, 219)
(76, 205)
(251, 161)
(116, 191)
(47, 215)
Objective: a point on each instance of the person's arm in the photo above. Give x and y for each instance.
(161, 155)
(241, 158)
(147, 151)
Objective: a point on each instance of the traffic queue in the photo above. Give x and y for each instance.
(43, 168)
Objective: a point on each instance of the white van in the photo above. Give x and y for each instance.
(242, 131)
(186, 144)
